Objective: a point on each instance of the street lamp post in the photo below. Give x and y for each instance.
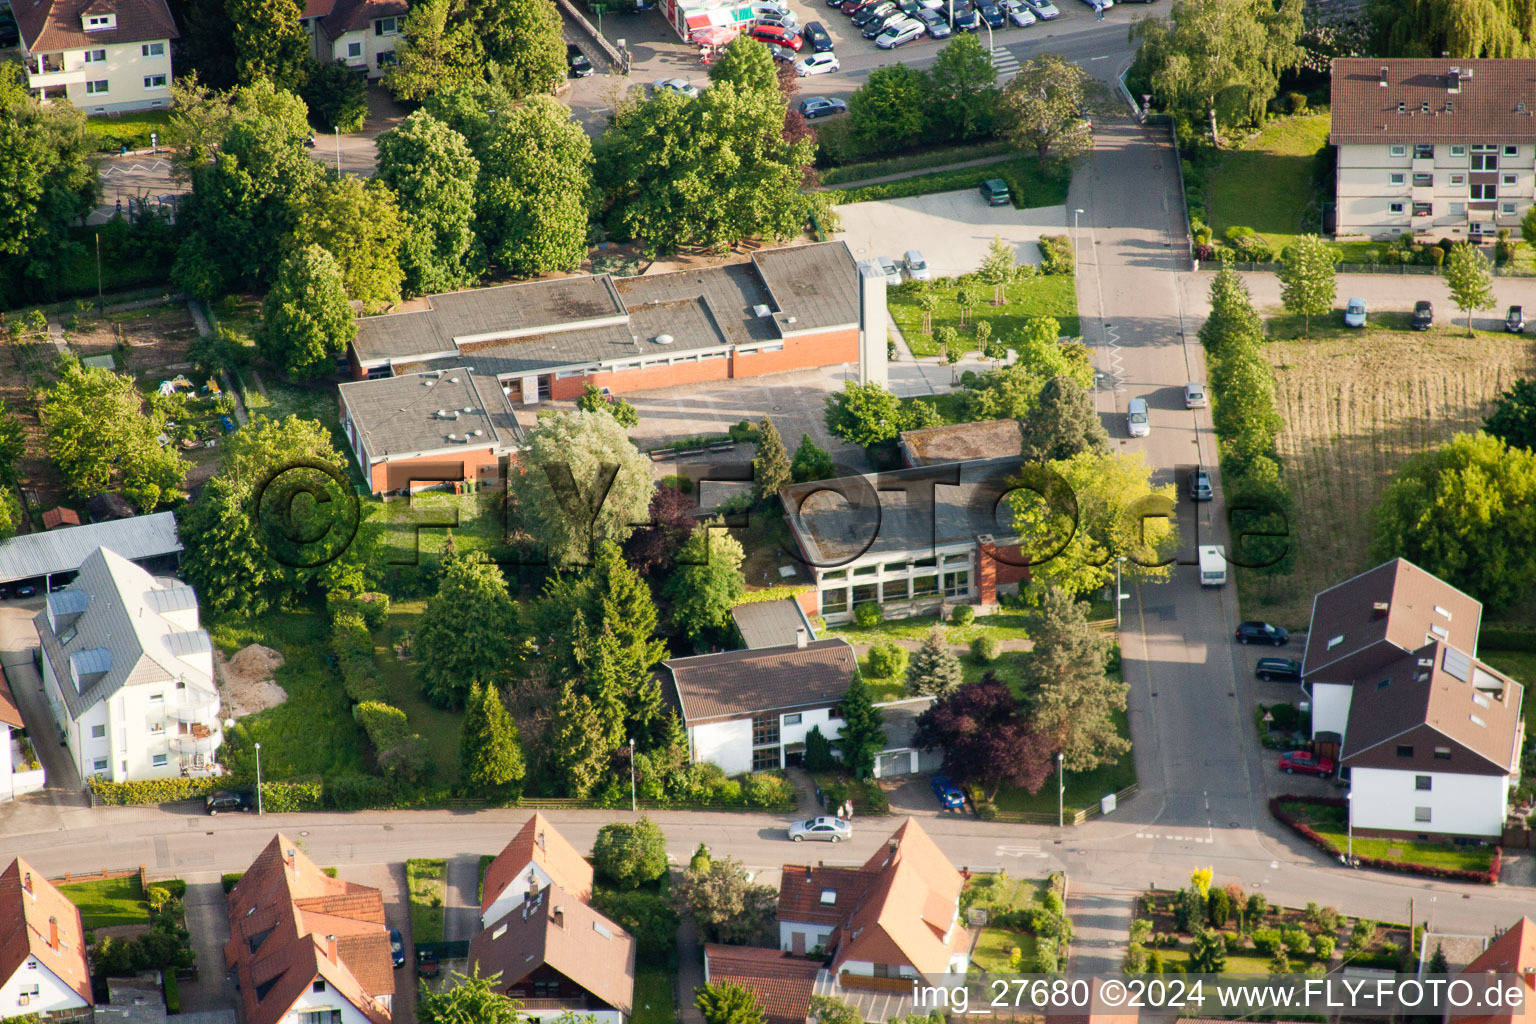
(1061, 791)
(632, 805)
(1349, 829)
(1075, 243)
(1119, 594)
(258, 780)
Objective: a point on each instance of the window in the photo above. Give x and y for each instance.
(1421, 180)
(1475, 720)
(1440, 631)
(1511, 150)
(154, 81)
(387, 59)
(157, 728)
(840, 574)
(1423, 209)
(153, 49)
(1421, 782)
(97, 21)
(1396, 178)
(1423, 151)
(318, 986)
(924, 563)
(1421, 814)
(158, 761)
(1335, 641)
(1442, 753)
(1458, 151)
(766, 759)
(957, 584)
(866, 570)
(1458, 180)
(1405, 750)
(157, 698)
(1394, 207)
(793, 719)
(354, 49)
(1398, 151)
(98, 732)
(320, 1017)
(834, 600)
(863, 593)
(765, 730)
(893, 590)
(96, 88)
(99, 765)
(95, 56)
(1506, 207)
(68, 635)
(1485, 192)
(1508, 179)
(384, 27)
(925, 586)
(777, 347)
(1484, 161)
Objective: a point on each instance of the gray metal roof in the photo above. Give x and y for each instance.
(41, 554)
(422, 412)
(170, 599)
(816, 285)
(120, 640)
(771, 623)
(68, 602)
(837, 522)
(733, 292)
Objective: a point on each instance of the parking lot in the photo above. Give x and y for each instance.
(952, 229)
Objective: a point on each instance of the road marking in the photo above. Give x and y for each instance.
(1105, 57)
(1004, 61)
(1020, 850)
(1175, 838)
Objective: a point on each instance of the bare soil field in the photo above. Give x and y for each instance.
(1356, 406)
(142, 341)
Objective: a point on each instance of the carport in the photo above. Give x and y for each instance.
(52, 558)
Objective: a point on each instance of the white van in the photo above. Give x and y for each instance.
(1213, 565)
(1136, 421)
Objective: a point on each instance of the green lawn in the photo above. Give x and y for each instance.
(427, 880)
(1329, 822)
(994, 947)
(111, 131)
(1281, 326)
(1266, 183)
(882, 689)
(866, 169)
(439, 727)
(653, 997)
(418, 528)
(1084, 789)
(1003, 625)
(313, 731)
(1054, 295)
(112, 902)
(1029, 186)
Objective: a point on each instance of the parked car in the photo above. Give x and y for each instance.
(909, 7)
(26, 590)
(396, 948)
(934, 24)
(833, 830)
(855, 6)
(813, 107)
(966, 18)
(426, 963)
(1194, 395)
(1278, 670)
(948, 793)
(990, 13)
(1253, 632)
(1044, 9)
(876, 28)
(915, 266)
(1138, 422)
(1019, 13)
(837, 4)
(1423, 316)
(889, 268)
(1514, 320)
(816, 35)
(777, 35)
(576, 62)
(1100, 5)
(781, 53)
(1306, 764)
(1200, 486)
(993, 190)
(820, 64)
(865, 15)
(228, 801)
(785, 20)
(1354, 313)
(679, 85)
(899, 33)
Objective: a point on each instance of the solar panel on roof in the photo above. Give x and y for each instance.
(1457, 664)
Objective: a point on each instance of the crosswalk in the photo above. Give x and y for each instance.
(1176, 838)
(1004, 62)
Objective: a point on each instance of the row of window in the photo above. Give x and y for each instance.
(1481, 152)
(147, 50)
(385, 59)
(157, 761)
(956, 584)
(101, 87)
(1454, 210)
(1424, 180)
(896, 567)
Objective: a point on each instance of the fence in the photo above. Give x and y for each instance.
(105, 875)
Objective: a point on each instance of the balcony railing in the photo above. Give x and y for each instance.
(199, 740)
(196, 706)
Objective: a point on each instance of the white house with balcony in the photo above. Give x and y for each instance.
(362, 34)
(128, 673)
(104, 56)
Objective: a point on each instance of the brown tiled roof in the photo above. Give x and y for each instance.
(1409, 596)
(781, 982)
(733, 684)
(26, 919)
(282, 914)
(556, 929)
(1455, 696)
(60, 516)
(10, 714)
(56, 24)
(537, 842)
(352, 15)
(1514, 952)
(801, 886)
(1497, 103)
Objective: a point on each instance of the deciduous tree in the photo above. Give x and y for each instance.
(652, 549)
(1452, 28)
(1042, 109)
(1470, 280)
(725, 904)
(593, 400)
(434, 53)
(357, 222)
(523, 42)
(727, 1003)
(432, 172)
(1307, 282)
(1072, 701)
(934, 671)
(306, 319)
(960, 91)
(630, 854)
(466, 634)
(1233, 319)
(985, 738)
(1063, 423)
(1513, 420)
(865, 414)
(100, 436)
(832, 1010)
(706, 581)
(886, 112)
(490, 750)
(470, 999)
(337, 97)
(998, 267)
(535, 169)
(13, 444)
(269, 41)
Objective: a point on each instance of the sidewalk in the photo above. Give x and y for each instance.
(913, 377)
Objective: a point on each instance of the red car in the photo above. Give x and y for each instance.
(778, 36)
(1306, 764)
(854, 6)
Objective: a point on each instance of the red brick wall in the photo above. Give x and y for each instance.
(624, 381)
(827, 349)
(396, 473)
(994, 572)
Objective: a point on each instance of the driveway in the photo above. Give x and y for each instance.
(18, 639)
(952, 229)
(208, 923)
(389, 879)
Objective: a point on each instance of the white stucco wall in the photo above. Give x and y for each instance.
(821, 718)
(727, 744)
(52, 995)
(124, 70)
(371, 45)
(815, 934)
(1330, 707)
(330, 999)
(512, 896)
(1470, 805)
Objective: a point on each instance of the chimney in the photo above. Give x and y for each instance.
(330, 948)
(557, 913)
(1379, 609)
(53, 933)
(801, 639)
(807, 872)
(26, 883)
(288, 856)
(1384, 78)
(541, 840)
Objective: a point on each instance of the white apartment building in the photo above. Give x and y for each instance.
(362, 34)
(128, 673)
(1436, 147)
(104, 56)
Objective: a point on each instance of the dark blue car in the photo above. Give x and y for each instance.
(228, 424)
(948, 793)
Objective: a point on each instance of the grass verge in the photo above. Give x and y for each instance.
(1029, 185)
(1054, 296)
(104, 904)
(427, 880)
(1003, 626)
(1083, 789)
(1329, 822)
(1266, 182)
(111, 132)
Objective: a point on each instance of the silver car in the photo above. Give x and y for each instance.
(889, 268)
(916, 266)
(833, 830)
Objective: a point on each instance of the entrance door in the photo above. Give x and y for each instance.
(895, 763)
(797, 944)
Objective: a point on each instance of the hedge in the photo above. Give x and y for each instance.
(172, 991)
(385, 724)
(1504, 638)
(231, 879)
(770, 594)
(372, 606)
(287, 797)
(352, 645)
(1056, 255)
(1489, 877)
(151, 791)
(177, 887)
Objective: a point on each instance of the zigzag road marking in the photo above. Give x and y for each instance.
(1116, 363)
(117, 169)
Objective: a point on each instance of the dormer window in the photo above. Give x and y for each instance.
(100, 22)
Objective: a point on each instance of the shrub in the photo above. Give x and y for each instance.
(1296, 102)
(1323, 945)
(1204, 252)
(229, 880)
(765, 789)
(290, 796)
(1295, 940)
(867, 615)
(818, 751)
(963, 615)
(630, 854)
(1267, 940)
(357, 793)
(985, 649)
(677, 482)
(151, 791)
(1218, 907)
(887, 660)
(172, 992)
(1257, 907)
(1233, 941)
(157, 896)
(1056, 255)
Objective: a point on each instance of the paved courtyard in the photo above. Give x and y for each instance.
(951, 229)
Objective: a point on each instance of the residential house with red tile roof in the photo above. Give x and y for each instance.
(1514, 952)
(43, 966)
(104, 56)
(536, 858)
(307, 948)
(362, 34)
(782, 982)
(556, 955)
(897, 916)
(1428, 736)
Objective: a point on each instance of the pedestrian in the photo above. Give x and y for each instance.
(839, 812)
(848, 807)
(1100, 9)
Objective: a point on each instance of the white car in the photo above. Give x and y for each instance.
(1194, 395)
(1137, 422)
(679, 85)
(1100, 5)
(896, 33)
(768, 8)
(816, 64)
(833, 830)
(1044, 9)
(1354, 313)
(1019, 13)
(916, 266)
(889, 268)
